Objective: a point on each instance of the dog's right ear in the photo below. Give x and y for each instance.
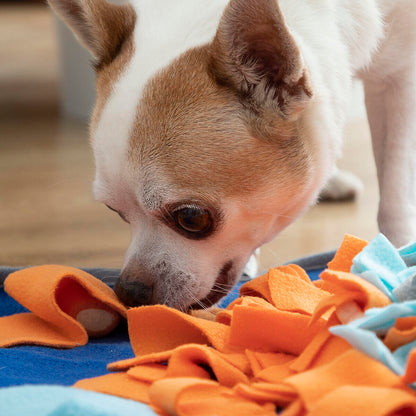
(99, 26)
(255, 53)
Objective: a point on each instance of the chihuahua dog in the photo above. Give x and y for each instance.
(217, 123)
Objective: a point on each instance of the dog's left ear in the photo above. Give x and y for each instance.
(99, 26)
(254, 53)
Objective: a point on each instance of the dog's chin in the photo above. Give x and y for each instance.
(223, 283)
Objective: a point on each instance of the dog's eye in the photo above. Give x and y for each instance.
(192, 219)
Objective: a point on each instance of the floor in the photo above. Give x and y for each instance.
(47, 214)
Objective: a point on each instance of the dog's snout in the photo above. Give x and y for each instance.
(133, 293)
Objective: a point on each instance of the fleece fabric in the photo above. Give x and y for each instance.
(64, 401)
(388, 334)
(271, 350)
(33, 364)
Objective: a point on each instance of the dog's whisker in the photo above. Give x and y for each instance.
(275, 254)
(198, 302)
(203, 306)
(228, 288)
(223, 286)
(193, 297)
(220, 289)
(224, 292)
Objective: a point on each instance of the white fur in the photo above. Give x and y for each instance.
(337, 40)
(390, 87)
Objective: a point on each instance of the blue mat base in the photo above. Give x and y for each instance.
(44, 365)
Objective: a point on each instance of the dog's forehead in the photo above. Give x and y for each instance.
(196, 133)
(184, 120)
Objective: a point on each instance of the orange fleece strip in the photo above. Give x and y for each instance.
(352, 368)
(348, 288)
(189, 360)
(251, 328)
(148, 372)
(260, 361)
(269, 349)
(410, 374)
(349, 248)
(369, 401)
(193, 396)
(404, 332)
(157, 328)
(324, 348)
(289, 362)
(55, 295)
(118, 384)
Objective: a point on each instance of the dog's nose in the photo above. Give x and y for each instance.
(133, 293)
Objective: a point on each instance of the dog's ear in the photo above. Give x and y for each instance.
(254, 53)
(99, 26)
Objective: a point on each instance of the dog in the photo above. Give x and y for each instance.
(218, 122)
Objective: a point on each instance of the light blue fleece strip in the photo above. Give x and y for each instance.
(394, 273)
(381, 264)
(363, 334)
(47, 400)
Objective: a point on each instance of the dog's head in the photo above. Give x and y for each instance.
(203, 136)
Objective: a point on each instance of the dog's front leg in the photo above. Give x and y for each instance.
(391, 108)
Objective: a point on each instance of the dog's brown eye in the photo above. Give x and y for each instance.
(193, 219)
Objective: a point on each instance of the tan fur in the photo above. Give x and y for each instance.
(203, 138)
(115, 26)
(100, 26)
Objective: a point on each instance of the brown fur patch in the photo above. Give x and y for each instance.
(200, 136)
(114, 29)
(100, 26)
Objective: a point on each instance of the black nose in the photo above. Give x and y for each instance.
(133, 293)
